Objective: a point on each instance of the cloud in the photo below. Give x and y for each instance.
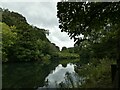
(36, 12)
(30, 0)
(60, 38)
(42, 15)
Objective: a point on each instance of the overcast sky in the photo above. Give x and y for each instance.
(42, 15)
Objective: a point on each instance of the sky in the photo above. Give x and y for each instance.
(43, 15)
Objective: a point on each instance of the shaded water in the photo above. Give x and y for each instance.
(34, 75)
(25, 75)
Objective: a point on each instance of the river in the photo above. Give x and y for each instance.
(36, 75)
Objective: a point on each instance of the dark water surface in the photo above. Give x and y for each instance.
(36, 75)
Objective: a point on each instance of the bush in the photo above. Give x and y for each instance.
(97, 73)
(66, 55)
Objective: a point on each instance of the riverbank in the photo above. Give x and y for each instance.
(98, 73)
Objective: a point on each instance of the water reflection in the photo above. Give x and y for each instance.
(58, 75)
(36, 75)
(62, 77)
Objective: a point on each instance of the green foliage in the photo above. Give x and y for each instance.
(8, 40)
(97, 73)
(93, 25)
(46, 59)
(67, 55)
(70, 49)
(88, 18)
(13, 18)
(95, 28)
(23, 42)
(66, 61)
(64, 49)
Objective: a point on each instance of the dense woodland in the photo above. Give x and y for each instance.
(99, 25)
(24, 42)
(95, 51)
(97, 22)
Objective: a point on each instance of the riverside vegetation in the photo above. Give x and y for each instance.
(93, 54)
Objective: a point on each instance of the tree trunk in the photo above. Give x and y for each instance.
(118, 58)
(118, 66)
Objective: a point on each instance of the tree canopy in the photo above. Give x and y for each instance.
(95, 22)
(23, 42)
(95, 27)
(92, 19)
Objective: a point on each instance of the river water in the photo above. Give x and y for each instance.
(35, 75)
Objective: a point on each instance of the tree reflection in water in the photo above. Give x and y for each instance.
(63, 77)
